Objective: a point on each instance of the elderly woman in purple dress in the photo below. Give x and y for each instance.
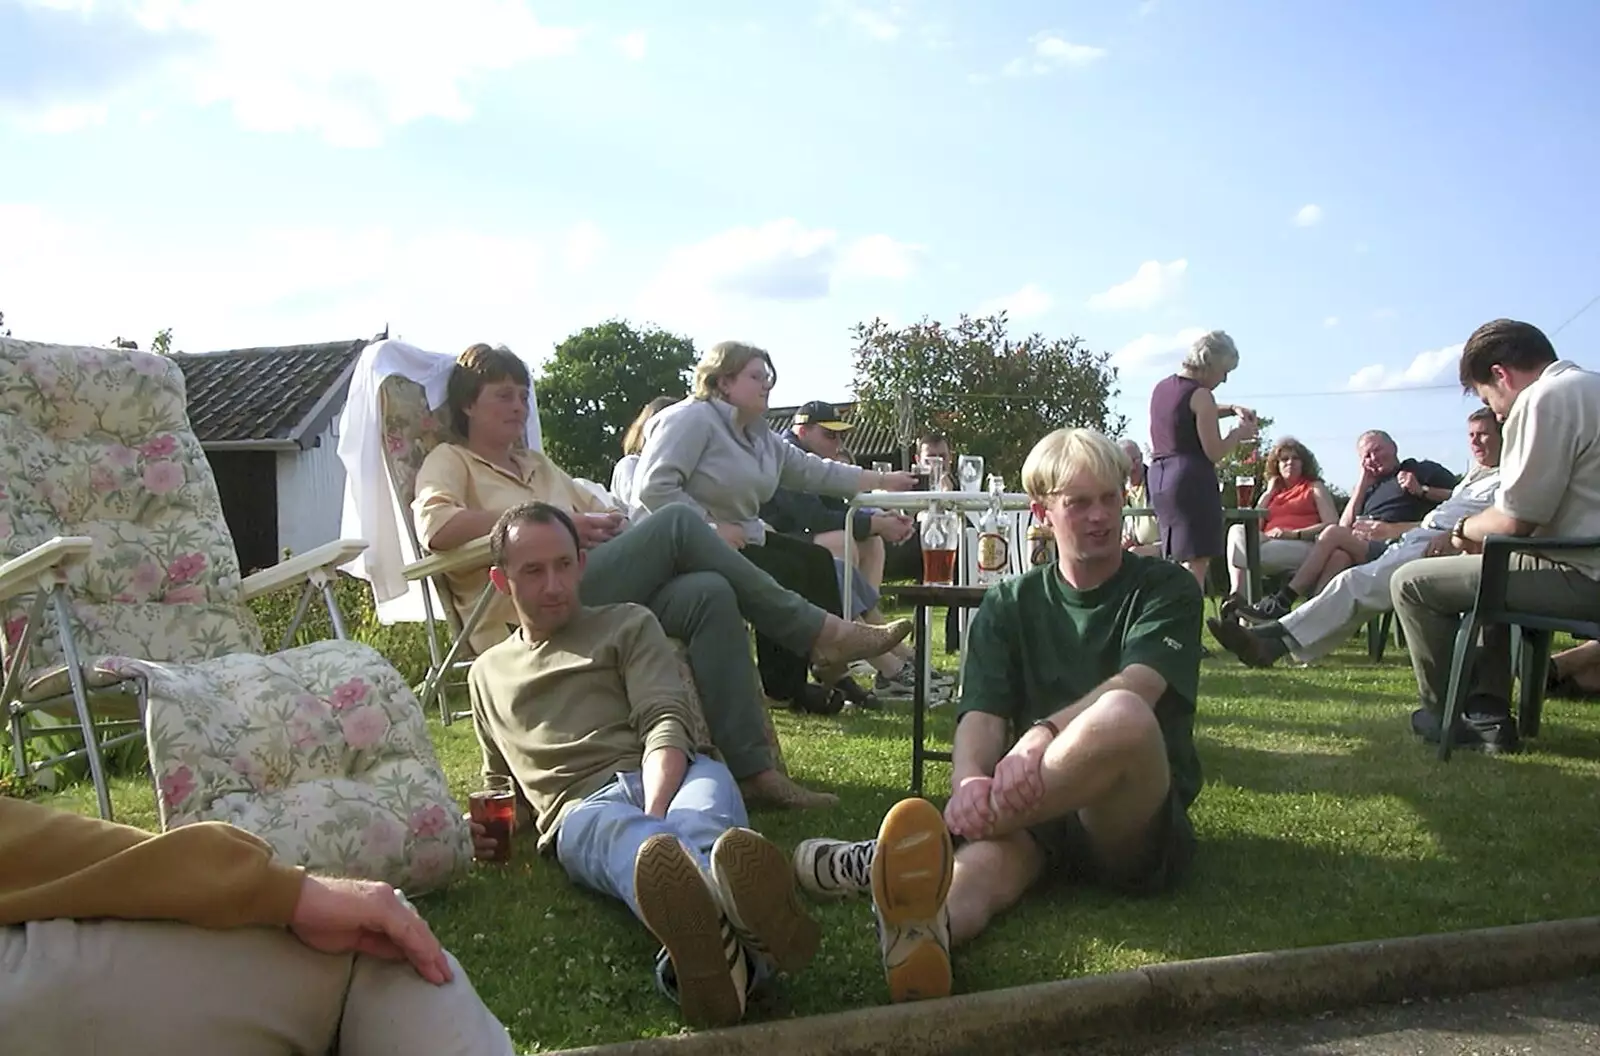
(1187, 442)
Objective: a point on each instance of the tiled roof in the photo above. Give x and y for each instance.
(267, 396)
(865, 442)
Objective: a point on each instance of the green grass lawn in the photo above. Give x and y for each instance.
(1321, 821)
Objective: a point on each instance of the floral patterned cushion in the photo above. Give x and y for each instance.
(321, 750)
(96, 442)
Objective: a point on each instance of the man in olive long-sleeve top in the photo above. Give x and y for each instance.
(587, 710)
(196, 940)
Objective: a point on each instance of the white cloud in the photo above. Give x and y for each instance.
(345, 71)
(585, 243)
(888, 21)
(885, 21)
(633, 45)
(1155, 353)
(1050, 51)
(1026, 303)
(1309, 215)
(61, 118)
(1423, 370)
(442, 288)
(781, 260)
(1153, 283)
(1332, 320)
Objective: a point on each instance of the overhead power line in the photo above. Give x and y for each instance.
(1231, 398)
(1592, 302)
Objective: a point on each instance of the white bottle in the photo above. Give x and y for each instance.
(994, 535)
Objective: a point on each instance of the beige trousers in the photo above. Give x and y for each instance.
(137, 988)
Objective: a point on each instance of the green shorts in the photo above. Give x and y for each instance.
(1069, 855)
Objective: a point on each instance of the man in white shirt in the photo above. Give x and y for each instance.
(1139, 534)
(1355, 595)
(1549, 486)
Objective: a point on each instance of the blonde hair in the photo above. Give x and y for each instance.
(1064, 454)
(725, 359)
(633, 439)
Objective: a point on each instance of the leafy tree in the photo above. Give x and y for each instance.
(161, 344)
(1246, 459)
(990, 394)
(594, 385)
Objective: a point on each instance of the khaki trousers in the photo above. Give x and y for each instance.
(1432, 595)
(136, 988)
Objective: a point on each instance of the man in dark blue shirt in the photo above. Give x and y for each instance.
(819, 429)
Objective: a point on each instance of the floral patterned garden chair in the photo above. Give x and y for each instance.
(411, 430)
(122, 598)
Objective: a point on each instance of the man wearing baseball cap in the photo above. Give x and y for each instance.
(820, 429)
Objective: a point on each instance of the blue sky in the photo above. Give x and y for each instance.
(1347, 188)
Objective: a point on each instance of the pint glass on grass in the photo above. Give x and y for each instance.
(495, 808)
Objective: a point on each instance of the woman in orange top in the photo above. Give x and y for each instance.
(1298, 506)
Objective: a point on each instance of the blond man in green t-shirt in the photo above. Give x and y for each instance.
(1074, 751)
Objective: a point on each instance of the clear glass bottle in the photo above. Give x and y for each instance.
(994, 535)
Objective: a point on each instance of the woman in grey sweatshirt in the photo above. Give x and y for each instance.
(714, 450)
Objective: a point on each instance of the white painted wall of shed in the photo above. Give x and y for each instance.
(310, 493)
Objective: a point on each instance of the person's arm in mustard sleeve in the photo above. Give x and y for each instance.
(444, 519)
(55, 864)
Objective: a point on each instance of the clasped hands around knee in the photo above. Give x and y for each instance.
(982, 807)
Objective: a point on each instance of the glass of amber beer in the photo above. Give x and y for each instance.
(941, 535)
(495, 808)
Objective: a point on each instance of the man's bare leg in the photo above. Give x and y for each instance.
(991, 876)
(869, 554)
(1334, 539)
(1579, 667)
(1110, 768)
(1337, 562)
(1197, 568)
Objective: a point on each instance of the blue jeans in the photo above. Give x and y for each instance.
(601, 836)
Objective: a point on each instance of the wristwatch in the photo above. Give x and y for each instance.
(1457, 533)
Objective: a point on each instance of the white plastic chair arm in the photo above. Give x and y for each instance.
(462, 559)
(326, 557)
(27, 573)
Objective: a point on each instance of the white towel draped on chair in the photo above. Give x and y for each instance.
(371, 511)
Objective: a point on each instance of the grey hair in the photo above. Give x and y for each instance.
(1377, 434)
(1132, 449)
(1213, 351)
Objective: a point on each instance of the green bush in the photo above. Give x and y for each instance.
(405, 645)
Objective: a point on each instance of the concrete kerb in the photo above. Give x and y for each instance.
(1164, 997)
